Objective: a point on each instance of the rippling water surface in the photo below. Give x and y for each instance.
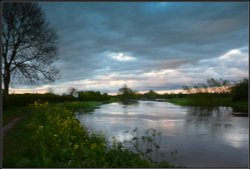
(202, 137)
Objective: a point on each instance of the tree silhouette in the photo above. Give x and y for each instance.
(72, 92)
(151, 94)
(29, 45)
(239, 91)
(126, 93)
(211, 85)
(125, 90)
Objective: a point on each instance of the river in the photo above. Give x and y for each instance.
(202, 137)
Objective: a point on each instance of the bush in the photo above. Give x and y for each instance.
(28, 98)
(19, 100)
(239, 92)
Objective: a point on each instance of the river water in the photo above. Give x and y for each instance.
(202, 137)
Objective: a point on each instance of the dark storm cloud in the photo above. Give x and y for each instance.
(156, 35)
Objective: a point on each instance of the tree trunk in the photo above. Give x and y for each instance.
(6, 89)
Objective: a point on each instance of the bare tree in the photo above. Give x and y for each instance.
(72, 91)
(50, 90)
(187, 89)
(29, 45)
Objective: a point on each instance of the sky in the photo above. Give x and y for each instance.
(146, 45)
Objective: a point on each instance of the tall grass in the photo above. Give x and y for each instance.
(210, 100)
(81, 106)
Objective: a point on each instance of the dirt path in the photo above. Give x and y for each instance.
(7, 127)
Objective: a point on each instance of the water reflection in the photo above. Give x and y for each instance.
(129, 103)
(206, 135)
(216, 123)
(208, 111)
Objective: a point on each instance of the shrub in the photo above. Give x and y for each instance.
(239, 92)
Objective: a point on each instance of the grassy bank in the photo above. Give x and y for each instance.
(202, 102)
(13, 112)
(51, 136)
(210, 102)
(241, 106)
(80, 106)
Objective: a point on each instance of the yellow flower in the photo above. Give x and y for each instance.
(93, 146)
(75, 146)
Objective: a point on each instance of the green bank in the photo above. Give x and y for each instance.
(49, 135)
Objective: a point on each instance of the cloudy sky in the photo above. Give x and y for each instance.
(146, 45)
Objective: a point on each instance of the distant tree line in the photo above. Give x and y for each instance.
(213, 91)
(30, 98)
(237, 91)
(71, 95)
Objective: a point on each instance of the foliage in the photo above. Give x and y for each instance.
(241, 106)
(216, 93)
(239, 91)
(180, 101)
(28, 98)
(202, 100)
(151, 95)
(125, 93)
(92, 96)
(80, 106)
(211, 101)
